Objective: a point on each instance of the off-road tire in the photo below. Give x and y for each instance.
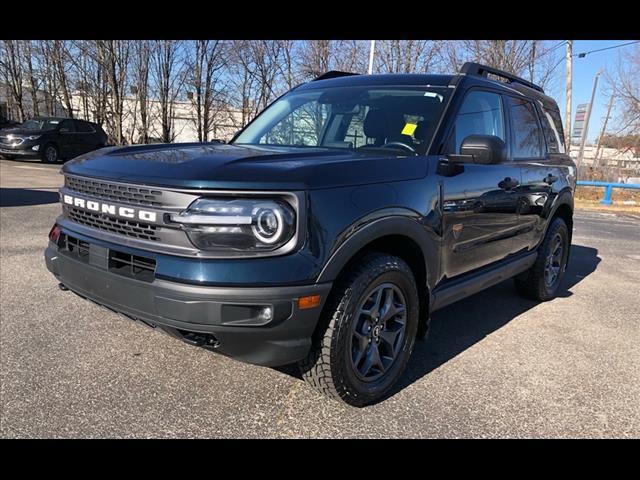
(328, 367)
(531, 284)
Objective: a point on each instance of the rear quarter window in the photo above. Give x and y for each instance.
(553, 132)
(84, 127)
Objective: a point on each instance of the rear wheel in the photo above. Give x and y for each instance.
(50, 153)
(542, 280)
(367, 332)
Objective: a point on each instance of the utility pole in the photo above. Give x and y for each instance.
(372, 49)
(567, 115)
(604, 129)
(585, 131)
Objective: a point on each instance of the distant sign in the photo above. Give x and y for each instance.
(578, 123)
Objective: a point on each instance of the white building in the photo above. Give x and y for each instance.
(227, 121)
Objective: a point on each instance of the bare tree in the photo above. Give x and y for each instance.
(255, 74)
(624, 84)
(351, 55)
(32, 77)
(534, 60)
(203, 77)
(92, 80)
(320, 56)
(142, 58)
(168, 79)
(11, 66)
(48, 75)
(60, 57)
(113, 56)
(316, 58)
(406, 56)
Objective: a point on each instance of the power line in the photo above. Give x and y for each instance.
(555, 47)
(584, 54)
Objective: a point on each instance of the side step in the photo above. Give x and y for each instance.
(474, 283)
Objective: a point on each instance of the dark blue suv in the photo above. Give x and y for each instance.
(327, 231)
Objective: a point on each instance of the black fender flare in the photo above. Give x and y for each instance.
(565, 197)
(406, 226)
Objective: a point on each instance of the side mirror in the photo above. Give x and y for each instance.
(481, 149)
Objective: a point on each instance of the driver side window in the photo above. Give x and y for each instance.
(480, 114)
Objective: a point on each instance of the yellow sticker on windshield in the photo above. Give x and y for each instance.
(409, 128)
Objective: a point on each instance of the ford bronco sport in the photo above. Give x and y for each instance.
(327, 231)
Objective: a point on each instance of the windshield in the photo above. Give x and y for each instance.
(40, 124)
(402, 118)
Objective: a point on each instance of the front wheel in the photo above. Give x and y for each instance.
(50, 153)
(367, 332)
(542, 280)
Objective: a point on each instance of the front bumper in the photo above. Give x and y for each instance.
(220, 318)
(20, 151)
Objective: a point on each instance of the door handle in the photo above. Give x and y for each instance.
(508, 183)
(549, 179)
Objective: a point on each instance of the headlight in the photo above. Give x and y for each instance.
(241, 224)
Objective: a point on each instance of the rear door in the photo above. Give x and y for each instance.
(67, 140)
(544, 169)
(480, 203)
(87, 137)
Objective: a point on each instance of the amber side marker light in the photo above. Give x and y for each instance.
(310, 301)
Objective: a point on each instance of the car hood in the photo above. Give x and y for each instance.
(24, 132)
(207, 165)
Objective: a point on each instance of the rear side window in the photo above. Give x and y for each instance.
(480, 114)
(552, 126)
(67, 127)
(84, 127)
(527, 137)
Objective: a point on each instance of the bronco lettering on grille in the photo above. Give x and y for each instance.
(109, 209)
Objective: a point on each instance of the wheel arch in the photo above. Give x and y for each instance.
(562, 208)
(399, 236)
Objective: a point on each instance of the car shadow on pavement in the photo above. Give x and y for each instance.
(463, 324)
(21, 197)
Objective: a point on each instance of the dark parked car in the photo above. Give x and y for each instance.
(51, 139)
(332, 226)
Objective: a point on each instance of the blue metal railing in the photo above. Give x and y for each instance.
(608, 188)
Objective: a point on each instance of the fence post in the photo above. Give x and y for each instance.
(607, 195)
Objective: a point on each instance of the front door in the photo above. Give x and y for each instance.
(480, 203)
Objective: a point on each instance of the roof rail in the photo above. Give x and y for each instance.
(471, 68)
(333, 74)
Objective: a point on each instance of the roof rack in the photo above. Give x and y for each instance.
(471, 68)
(333, 74)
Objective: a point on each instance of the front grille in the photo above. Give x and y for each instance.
(116, 192)
(134, 266)
(120, 263)
(75, 247)
(141, 230)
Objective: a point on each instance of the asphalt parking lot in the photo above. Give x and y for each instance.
(495, 365)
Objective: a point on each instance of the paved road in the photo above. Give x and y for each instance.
(494, 365)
